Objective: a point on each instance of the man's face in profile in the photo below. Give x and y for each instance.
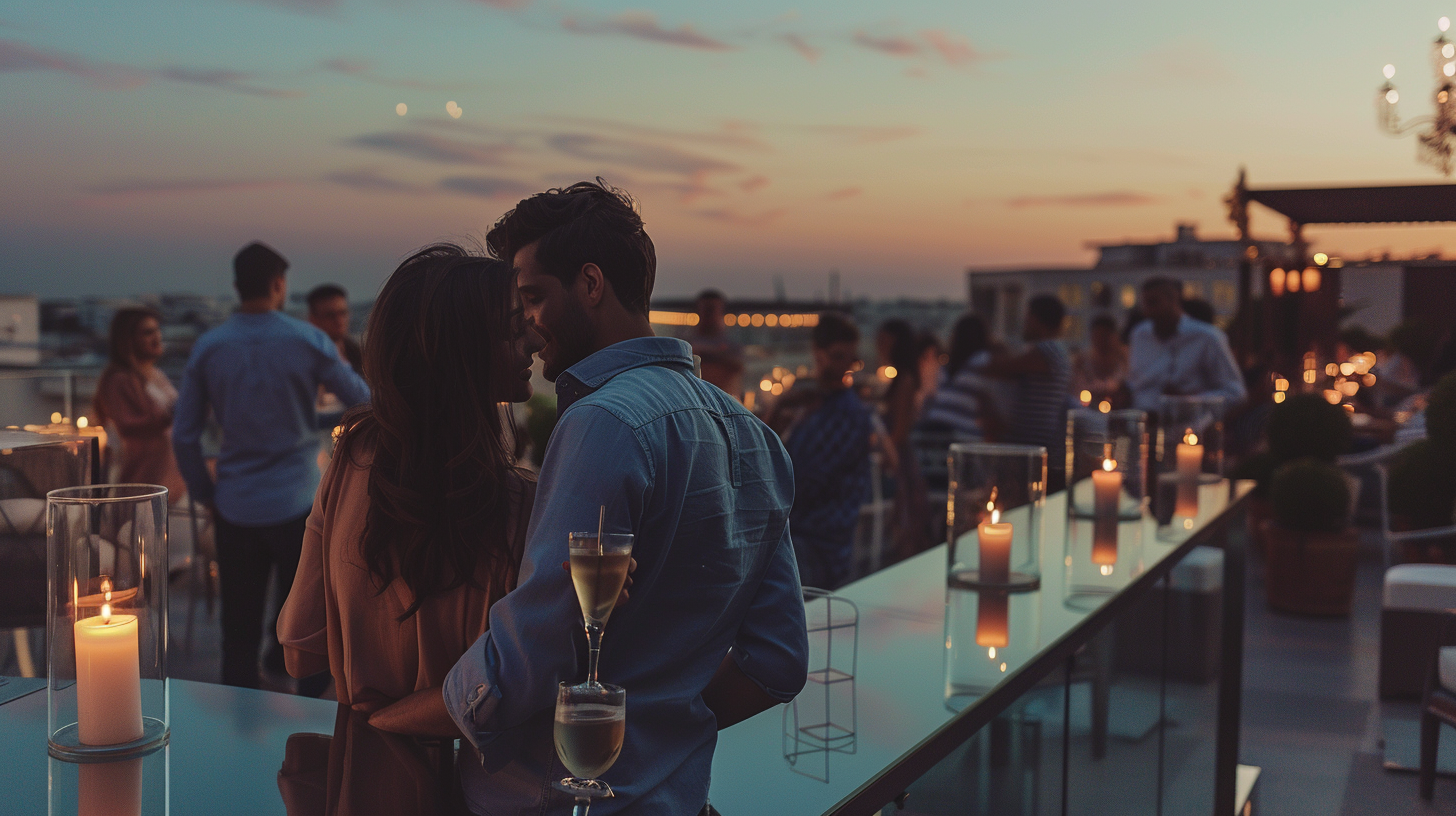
(555, 312)
(833, 362)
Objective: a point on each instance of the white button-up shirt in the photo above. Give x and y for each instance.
(1195, 361)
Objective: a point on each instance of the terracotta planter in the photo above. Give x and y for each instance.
(1310, 573)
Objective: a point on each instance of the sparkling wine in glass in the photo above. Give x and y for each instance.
(591, 721)
(598, 570)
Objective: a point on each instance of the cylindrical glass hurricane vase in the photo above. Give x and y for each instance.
(106, 621)
(1190, 485)
(994, 523)
(1107, 474)
(988, 634)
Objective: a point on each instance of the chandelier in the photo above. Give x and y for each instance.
(1437, 139)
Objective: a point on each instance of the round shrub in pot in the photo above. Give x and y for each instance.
(1312, 550)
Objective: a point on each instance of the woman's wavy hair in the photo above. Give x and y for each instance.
(438, 345)
(122, 351)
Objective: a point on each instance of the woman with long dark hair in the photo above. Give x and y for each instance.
(135, 400)
(419, 524)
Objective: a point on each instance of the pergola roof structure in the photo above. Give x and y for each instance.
(1420, 203)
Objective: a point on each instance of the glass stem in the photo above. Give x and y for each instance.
(594, 646)
(581, 807)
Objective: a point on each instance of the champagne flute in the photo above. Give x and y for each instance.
(598, 570)
(591, 721)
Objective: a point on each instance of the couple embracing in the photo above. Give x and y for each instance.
(431, 584)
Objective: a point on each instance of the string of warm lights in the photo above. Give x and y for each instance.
(787, 321)
(1343, 379)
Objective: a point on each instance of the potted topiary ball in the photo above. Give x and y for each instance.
(1423, 479)
(1311, 548)
(1304, 425)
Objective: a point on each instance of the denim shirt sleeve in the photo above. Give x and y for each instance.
(510, 674)
(772, 646)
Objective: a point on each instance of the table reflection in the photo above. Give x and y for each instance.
(362, 770)
(988, 634)
(823, 718)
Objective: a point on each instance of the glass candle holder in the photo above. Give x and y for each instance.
(106, 621)
(988, 633)
(1106, 497)
(993, 527)
(1190, 483)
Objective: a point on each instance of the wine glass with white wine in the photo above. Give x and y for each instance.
(599, 563)
(591, 721)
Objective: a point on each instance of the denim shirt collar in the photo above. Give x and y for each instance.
(594, 372)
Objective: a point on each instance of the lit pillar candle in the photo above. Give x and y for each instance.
(108, 679)
(1190, 467)
(992, 614)
(110, 788)
(994, 538)
(1106, 496)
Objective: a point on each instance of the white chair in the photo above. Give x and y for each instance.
(1417, 599)
(1379, 461)
(869, 533)
(1439, 706)
(197, 525)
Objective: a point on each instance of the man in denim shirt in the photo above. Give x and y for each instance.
(714, 631)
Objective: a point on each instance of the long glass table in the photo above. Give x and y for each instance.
(1098, 706)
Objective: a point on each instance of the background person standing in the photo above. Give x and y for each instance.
(259, 374)
(135, 398)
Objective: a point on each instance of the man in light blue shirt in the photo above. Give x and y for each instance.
(1173, 354)
(714, 631)
(259, 373)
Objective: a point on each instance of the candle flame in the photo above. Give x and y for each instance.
(991, 652)
(106, 613)
(995, 516)
(1106, 569)
(1109, 465)
(1190, 438)
(106, 589)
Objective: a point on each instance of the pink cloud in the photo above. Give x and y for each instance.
(431, 148)
(643, 25)
(955, 50)
(363, 71)
(224, 80)
(753, 184)
(802, 47)
(845, 193)
(855, 135)
(1116, 198)
(183, 186)
(737, 219)
(893, 45)
(17, 56)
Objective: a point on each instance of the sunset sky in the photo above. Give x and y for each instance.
(143, 143)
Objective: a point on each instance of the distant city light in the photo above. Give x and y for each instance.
(1347, 369)
(1085, 397)
(1321, 258)
(771, 320)
(757, 320)
(1390, 72)
(673, 318)
(1311, 279)
(81, 422)
(401, 109)
(1105, 407)
(1310, 376)
(1442, 97)
(1449, 69)
(56, 418)
(1278, 397)
(765, 385)
(453, 109)
(1281, 384)
(1448, 50)
(777, 389)
(1391, 96)
(1276, 281)
(1444, 23)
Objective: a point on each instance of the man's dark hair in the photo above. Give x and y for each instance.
(323, 292)
(254, 268)
(1171, 285)
(581, 224)
(1048, 311)
(1103, 321)
(832, 328)
(1199, 309)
